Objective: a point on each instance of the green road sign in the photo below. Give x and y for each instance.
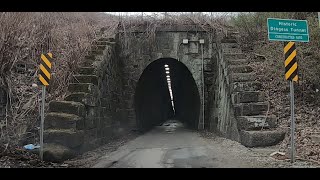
(288, 30)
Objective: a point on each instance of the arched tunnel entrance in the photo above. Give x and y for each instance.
(153, 102)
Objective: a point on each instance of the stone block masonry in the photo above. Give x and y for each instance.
(138, 52)
(101, 100)
(3, 103)
(89, 115)
(241, 108)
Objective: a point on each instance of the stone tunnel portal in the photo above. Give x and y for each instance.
(152, 99)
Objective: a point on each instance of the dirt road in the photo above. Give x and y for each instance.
(173, 146)
(168, 146)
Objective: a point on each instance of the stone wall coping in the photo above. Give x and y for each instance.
(140, 28)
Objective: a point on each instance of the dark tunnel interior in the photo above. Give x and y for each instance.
(153, 101)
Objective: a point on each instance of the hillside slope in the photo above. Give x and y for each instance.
(253, 30)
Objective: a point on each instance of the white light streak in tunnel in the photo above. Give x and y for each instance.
(167, 70)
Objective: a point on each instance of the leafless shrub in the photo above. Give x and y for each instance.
(253, 28)
(68, 36)
(23, 37)
(152, 22)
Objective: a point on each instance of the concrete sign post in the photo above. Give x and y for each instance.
(293, 31)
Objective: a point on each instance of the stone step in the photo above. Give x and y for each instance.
(229, 40)
(69, 107)
(242, 77)
(90, 57)
(96, 52)
(230, 45)
(228, 56)
(65, 137)
(83, 87)
(315, 138)
(87, 71)
(104, 43)
(233, 36)
(86, 79)
(261, 138)
(250, 109)
(88, 61)
(232, 33)
(240, 68)
(84, 98)
(246, 86)
(238, 61)
(256, 122)
(231, 50)
(57, 120)
(247, 96)
(98, 47)
(57, 153)
(109, 39)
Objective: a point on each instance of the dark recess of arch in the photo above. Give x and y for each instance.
(152, 99)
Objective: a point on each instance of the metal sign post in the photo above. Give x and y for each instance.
(289, 31)
(319, 18)
(291, 74)
(203, 85)
(44, 78)
(42, 121)
(292, 121)
(201, 125)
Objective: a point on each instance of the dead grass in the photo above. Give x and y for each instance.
(23, 37)
(150, 24)
(68, 36)
(271, 71)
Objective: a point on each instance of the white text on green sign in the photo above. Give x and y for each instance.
(288, 30)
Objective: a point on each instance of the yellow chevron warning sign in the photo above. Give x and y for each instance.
(290, 63)
(45, 69)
